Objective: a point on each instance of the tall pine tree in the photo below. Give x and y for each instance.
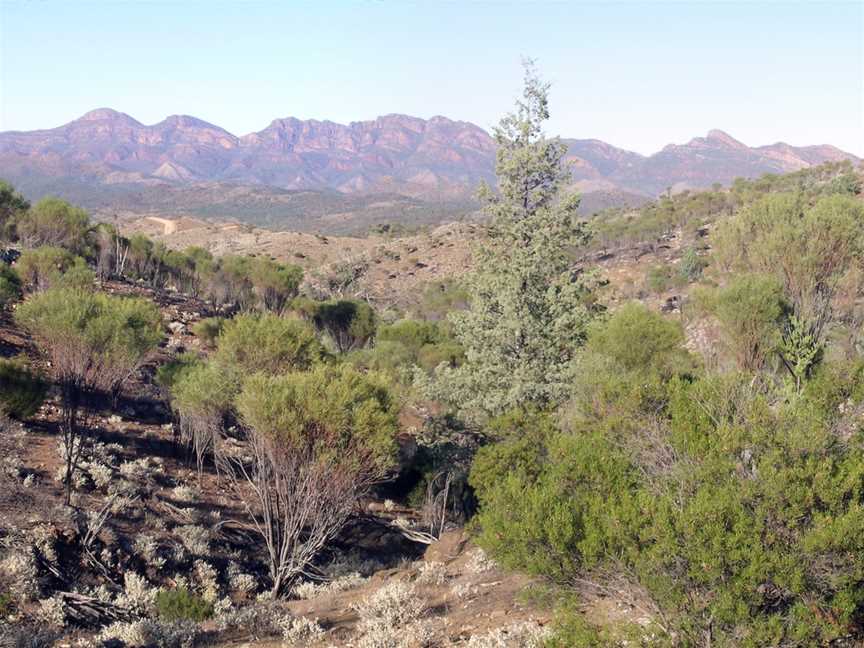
(528, 310)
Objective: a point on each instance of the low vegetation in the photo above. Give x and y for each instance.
(233, 444)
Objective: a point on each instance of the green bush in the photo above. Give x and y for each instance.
(267, 343)
(336, 407)
(10, 285)
(230, 282)
(275, 284)
(209, 329)
(43, 267)
(659, 278)
(93, 342)
(200, 389)
(691, 266)
(321, 439)
(414, 334)
(54, 222)
(639, 339)
(428, 343)
(814, 252)
(751, 310)
(739, 514)
(12, 205)
(7, 605)
(203, 395)
(350, 323)
(169, 373)
(21, 391)
(182, 605)
(521, 457)
(449, 353)
(391, 358)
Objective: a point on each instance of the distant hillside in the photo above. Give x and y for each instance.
(308, 174)
(328, 211)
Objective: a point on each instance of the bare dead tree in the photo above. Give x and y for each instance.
(435, 504)
(121, 249)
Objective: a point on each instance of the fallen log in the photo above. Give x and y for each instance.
(92, 612)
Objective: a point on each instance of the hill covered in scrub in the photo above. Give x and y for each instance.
(540, 431)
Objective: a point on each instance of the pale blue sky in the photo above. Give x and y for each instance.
(637, 75)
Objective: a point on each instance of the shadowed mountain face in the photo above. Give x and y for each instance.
(106, 153)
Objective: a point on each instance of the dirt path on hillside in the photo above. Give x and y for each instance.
(169, 226)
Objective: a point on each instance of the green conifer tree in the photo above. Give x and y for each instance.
(528, 309)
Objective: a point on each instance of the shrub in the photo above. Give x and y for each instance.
(350, 323)
(43, 267)
(148, 632)
(12, 206)
(203, 395)
(517, 635)
(319, 441)
(20, 570)
(432, 573)
(393, 606)
(181, 604)
(7, 605)
(195, 538)
(94, 342)
(55, 222)
(10, 285)
(209, 329)
(659, 346)
(750, 311)
(268, 343)
(274, 283)
(310, 589)
(137, 593)
(21, 391)
(691, 266)
(297, 629)
(754, 509)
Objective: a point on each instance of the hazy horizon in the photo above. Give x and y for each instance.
(636, 75)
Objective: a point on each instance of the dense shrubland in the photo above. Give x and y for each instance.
(719, 490)
(722, 498)
(691, 211)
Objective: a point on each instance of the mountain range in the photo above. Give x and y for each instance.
(108, 159)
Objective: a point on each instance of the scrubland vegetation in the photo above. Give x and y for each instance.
(704, 468)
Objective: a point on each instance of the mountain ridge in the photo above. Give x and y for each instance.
(437, 159)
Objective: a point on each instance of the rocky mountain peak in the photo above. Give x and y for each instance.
(107, 114)
(723, 138)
